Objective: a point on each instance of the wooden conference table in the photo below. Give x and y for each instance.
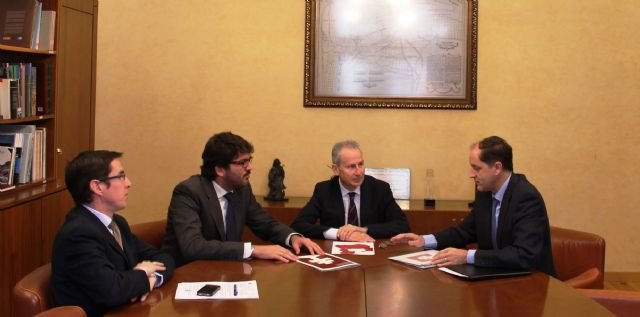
(379, 287)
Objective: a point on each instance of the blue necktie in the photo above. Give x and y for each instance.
(494, 223)
(352, 215)
(230, 219)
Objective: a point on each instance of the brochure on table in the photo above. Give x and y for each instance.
(359, 248)
(326, 262)
(421, 259)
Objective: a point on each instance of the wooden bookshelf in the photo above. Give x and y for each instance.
(31, 214)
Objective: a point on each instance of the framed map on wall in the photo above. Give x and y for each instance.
(391, 54)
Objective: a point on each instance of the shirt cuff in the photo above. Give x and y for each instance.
(288, 240)
(159, 280)
(471, 256)
(430, 242)
(248, 250)
(331, 234)
(143, 270)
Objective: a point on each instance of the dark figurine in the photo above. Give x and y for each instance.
(276, 182)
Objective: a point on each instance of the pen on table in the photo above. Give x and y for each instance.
(235, 290)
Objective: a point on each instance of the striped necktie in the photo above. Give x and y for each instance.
(230, 219)
(116, 233)
(352, 215)
(494, 223)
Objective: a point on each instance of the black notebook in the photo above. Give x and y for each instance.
(473, 273)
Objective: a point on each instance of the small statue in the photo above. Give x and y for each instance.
(276, 182)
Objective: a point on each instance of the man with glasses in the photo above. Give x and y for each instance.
(351, 206)
(97, 263)
(208, 212)
(508, 221)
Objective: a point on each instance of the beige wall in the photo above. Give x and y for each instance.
(558, 79)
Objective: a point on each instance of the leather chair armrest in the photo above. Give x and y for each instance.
(66, 311)
(621, 303)
(590, 278)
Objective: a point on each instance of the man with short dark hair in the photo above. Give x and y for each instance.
(208, 212)
(508, 221)
(97, 263)
(351, 206)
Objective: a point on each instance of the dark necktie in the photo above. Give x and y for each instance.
(494, 223)
(116, 233)
(230, 219)
(352, 215)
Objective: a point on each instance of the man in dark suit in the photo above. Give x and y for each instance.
(351, 206)
(508, 221)
(208, 212)
(97, 263)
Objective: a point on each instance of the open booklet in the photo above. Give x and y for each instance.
(420, 259)
(228, 290)
(326, 262)
(471, 272)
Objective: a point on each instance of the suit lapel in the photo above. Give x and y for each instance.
(128, 252)
(336, 200)
(365, 200)
(505, 207)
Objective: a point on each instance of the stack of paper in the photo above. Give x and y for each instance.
(228, 290)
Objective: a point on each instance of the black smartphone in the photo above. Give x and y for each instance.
(208, 290)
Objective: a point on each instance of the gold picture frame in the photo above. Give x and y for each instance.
(391, 54)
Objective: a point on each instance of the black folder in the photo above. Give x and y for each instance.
(473, 273)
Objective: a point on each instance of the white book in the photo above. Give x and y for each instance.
(47, 30)
(326, 262)
(421, 259)
(5, 99)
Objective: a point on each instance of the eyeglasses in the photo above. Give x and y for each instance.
(245, 162)
(122, 176)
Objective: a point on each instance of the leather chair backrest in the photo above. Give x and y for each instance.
(577, 253)
(32, 294)
(151, 232)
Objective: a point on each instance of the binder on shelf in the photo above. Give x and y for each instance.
(35, 29)
(26, 132)
(16, 22)
(7, 161)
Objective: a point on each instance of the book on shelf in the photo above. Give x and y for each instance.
(24, 133)
(17, 22)
(472, 272)
(326, 262)
(47, 30)
(38, 171)
(7, 161)
(420, 259)
(35, 28)
(23, 89)
(5, 99)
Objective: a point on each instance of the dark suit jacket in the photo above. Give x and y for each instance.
(523, 235)
(195, 226)
(379, 212)
(88, 268)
